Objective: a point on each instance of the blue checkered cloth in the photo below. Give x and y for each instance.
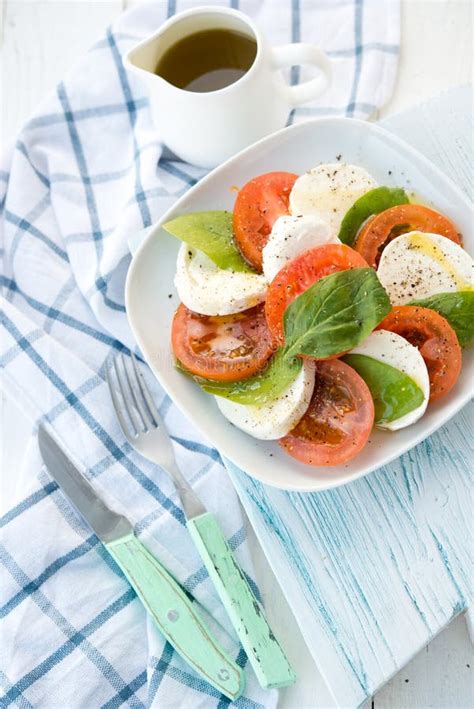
(86, 172)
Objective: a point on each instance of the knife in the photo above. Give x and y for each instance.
(162, 596)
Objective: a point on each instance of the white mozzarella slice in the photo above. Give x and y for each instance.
(329, 191)
(279, 417)
(417, 265)
(291, 236)
(209, 290)
(394, 350)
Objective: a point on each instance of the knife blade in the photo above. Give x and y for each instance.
(107, 524)
(162, 596)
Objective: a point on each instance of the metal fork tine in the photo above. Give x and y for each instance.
(125, 425)
(154, 443)
(134, 385)
(146, 393)
(128, 404)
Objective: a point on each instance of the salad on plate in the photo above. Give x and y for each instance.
(322, 306)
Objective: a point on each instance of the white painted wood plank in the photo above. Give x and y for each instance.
(440, 677)
(41, 42)
(455, 155)
(436, 47)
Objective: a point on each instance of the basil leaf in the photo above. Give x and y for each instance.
(394, 392)
(263, 387)
(372, 202)
(457, 308)
(335, 314)
(210, 232)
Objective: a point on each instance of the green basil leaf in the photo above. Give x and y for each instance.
(210, 232)
(372, 202)
(394, 392)
(263, 387)
(457, 308)
(335, 314)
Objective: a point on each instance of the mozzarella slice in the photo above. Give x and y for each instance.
(417, 265)
(329, 191)
(291, 236)
(392, 349)
(279, 417)
(209, 290)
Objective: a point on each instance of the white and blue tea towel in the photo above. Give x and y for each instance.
(84, 175)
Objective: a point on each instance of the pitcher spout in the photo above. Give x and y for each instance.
(142, 61)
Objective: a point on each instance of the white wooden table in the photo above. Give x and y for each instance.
(40, 40)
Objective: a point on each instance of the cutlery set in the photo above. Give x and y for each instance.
(174, 614)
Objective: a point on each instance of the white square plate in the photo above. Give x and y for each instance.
(150, 283)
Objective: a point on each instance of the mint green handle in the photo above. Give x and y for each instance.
(263, 650)
(176, 617)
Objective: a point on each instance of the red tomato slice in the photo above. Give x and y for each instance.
(436, 340)
(339, 418)
(224, 348)
(258, 205)
(300, 274)
(384, 227)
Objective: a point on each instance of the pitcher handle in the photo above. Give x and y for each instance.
(299, 54)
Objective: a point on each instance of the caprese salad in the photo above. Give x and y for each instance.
(323, 305)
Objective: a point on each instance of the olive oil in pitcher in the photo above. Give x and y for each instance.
(208, 60)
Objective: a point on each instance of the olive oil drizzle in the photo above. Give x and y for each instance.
(426, 246)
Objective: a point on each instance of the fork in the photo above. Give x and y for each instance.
(144, 429)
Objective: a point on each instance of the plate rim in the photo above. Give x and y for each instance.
(211, 175)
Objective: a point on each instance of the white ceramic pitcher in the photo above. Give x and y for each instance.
(207, 128)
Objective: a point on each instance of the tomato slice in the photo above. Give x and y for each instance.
(436, 340)
(258, 205)
(339, 418)
(300, 274)
(222, 348)
(384, 227)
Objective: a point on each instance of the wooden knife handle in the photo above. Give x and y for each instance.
(176, 617)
